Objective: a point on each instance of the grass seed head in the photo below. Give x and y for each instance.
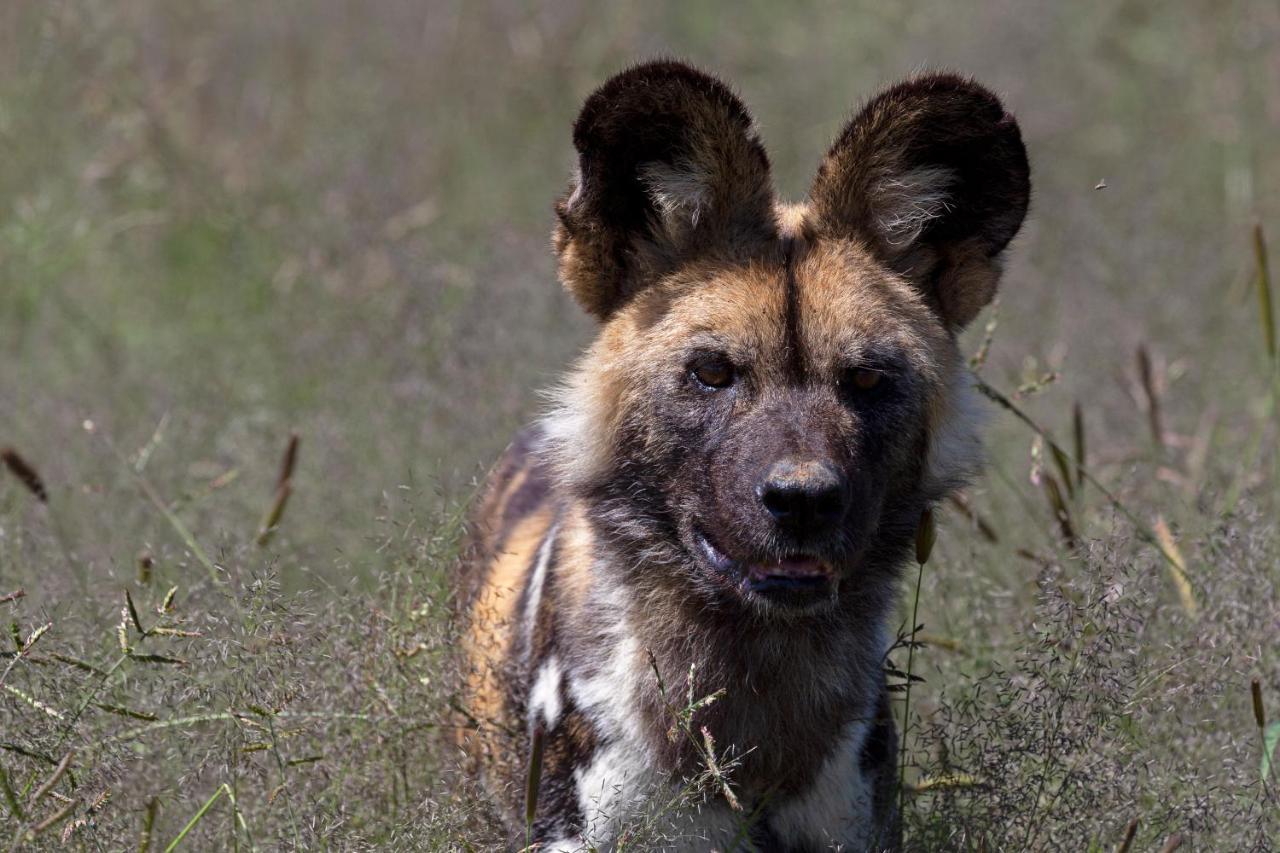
(25, 472)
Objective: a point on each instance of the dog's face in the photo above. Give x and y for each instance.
(775, 392)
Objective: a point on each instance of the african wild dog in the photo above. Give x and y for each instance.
(736, 467)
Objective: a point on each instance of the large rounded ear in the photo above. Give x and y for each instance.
(933, 176)
(669, 166)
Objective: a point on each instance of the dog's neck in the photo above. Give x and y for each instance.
(785, 687)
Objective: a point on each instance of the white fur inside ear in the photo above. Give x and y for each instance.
(906, 203)
(681, 191)
(575, 195)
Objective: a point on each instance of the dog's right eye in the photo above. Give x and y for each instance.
(712, 372)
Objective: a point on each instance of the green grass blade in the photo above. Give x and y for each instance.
(1270, 740)
(191, 824)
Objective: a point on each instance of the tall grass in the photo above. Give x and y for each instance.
(221, 226)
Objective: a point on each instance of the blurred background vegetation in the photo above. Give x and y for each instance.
(223, 222)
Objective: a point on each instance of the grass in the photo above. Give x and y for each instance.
(318, 230)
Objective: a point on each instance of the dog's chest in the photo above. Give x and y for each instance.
(801, 786)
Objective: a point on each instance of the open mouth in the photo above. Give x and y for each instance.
(797, 580)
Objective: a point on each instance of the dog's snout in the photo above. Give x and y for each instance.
(804, 496)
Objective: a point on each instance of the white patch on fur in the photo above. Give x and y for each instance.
(622, 773)
(623, 787)
(615, 786)
(576, 443)
(544, 697)
(681, 191)
(623, 783)
(837, 808)
(955, 448)
(907, 203)
(610, 697)
(534, 598)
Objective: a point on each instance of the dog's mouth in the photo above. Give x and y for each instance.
(796, 580)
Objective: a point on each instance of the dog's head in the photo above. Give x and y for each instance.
(775, 392)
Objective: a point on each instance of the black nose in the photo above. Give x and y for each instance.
(806, 497)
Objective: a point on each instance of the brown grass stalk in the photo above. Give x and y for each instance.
(1077, 433)
(57, 774)
(1266, 312)
(1130, 831)
(1058, 505)
(271, 521)
(985, 529)
(1152, 396)
(53, 819)
(148, 825)
(1140, 527)
(25, 472)
(1177, 567)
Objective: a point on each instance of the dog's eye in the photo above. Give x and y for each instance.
(713, 372)
(863, 381)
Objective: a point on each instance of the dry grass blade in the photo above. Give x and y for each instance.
(284, 488)
(77, 663)
(290, 460)
(1265, 306)
(1177, 567)
(122, 711)
(1077, 433)
(713, 767)
(164, 659)
(133, 614)
(57, 773)
(272, 519)
(53, 819)
(962, 505)
(938, 641)
(1140, 526)
(1053, 493)
(1130, 831)
(148, 825)
(1152, 396)
(26, 474)
(945, 781)
(1064, 469)
(979, 358)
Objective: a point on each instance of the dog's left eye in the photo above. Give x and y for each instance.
(712, 372)
(863, 382)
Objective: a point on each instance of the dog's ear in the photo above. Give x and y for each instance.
(933, 176)
(669, 166)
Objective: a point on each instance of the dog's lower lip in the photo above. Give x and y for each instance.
(798, 574)
(798, 568)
